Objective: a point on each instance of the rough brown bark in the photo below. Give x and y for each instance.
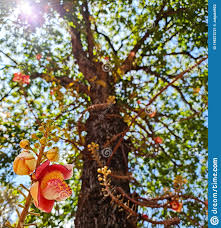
(94, 210)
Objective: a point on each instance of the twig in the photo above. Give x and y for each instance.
(24, 187)
(8, 93)
(22, 193)
(8, 57)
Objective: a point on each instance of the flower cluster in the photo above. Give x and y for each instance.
(21, 78)
(93, 147)
(48, 180)
(105, 172)
(111, 100)
(175, 202)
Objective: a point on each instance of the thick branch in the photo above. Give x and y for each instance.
(86, 65)
(90, 39)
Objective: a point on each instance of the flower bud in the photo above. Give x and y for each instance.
(55, 139)
(99, 170)
(49, 144)
(41, 128)
(43, 141)
(34, 136)
(53, 154)
(24, 143)
(24, 164)
(100, 178)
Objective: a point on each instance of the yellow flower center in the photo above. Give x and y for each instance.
(49, 176)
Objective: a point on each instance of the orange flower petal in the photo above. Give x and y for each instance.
(24, 164)
(34, 192)
(39, 201)
(44, 204)
(41, 169)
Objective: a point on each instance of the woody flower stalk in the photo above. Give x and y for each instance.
(47, 180)
(29, 198)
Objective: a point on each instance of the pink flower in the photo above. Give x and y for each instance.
(21, 78)
(25, 79)
(52, 92)
(151, 115)
(50, 185)
(144, 217)
(38, 56)
(17, 77)
(158, 140)
(176, 205)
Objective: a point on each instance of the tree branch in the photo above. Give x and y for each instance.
(179, 76)
(14, 61)
(107, 39)
(148, 70)
(90, 39)
(8, 93)
(128, 62)
(64, 81)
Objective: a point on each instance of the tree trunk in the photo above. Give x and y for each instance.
(94, 210)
